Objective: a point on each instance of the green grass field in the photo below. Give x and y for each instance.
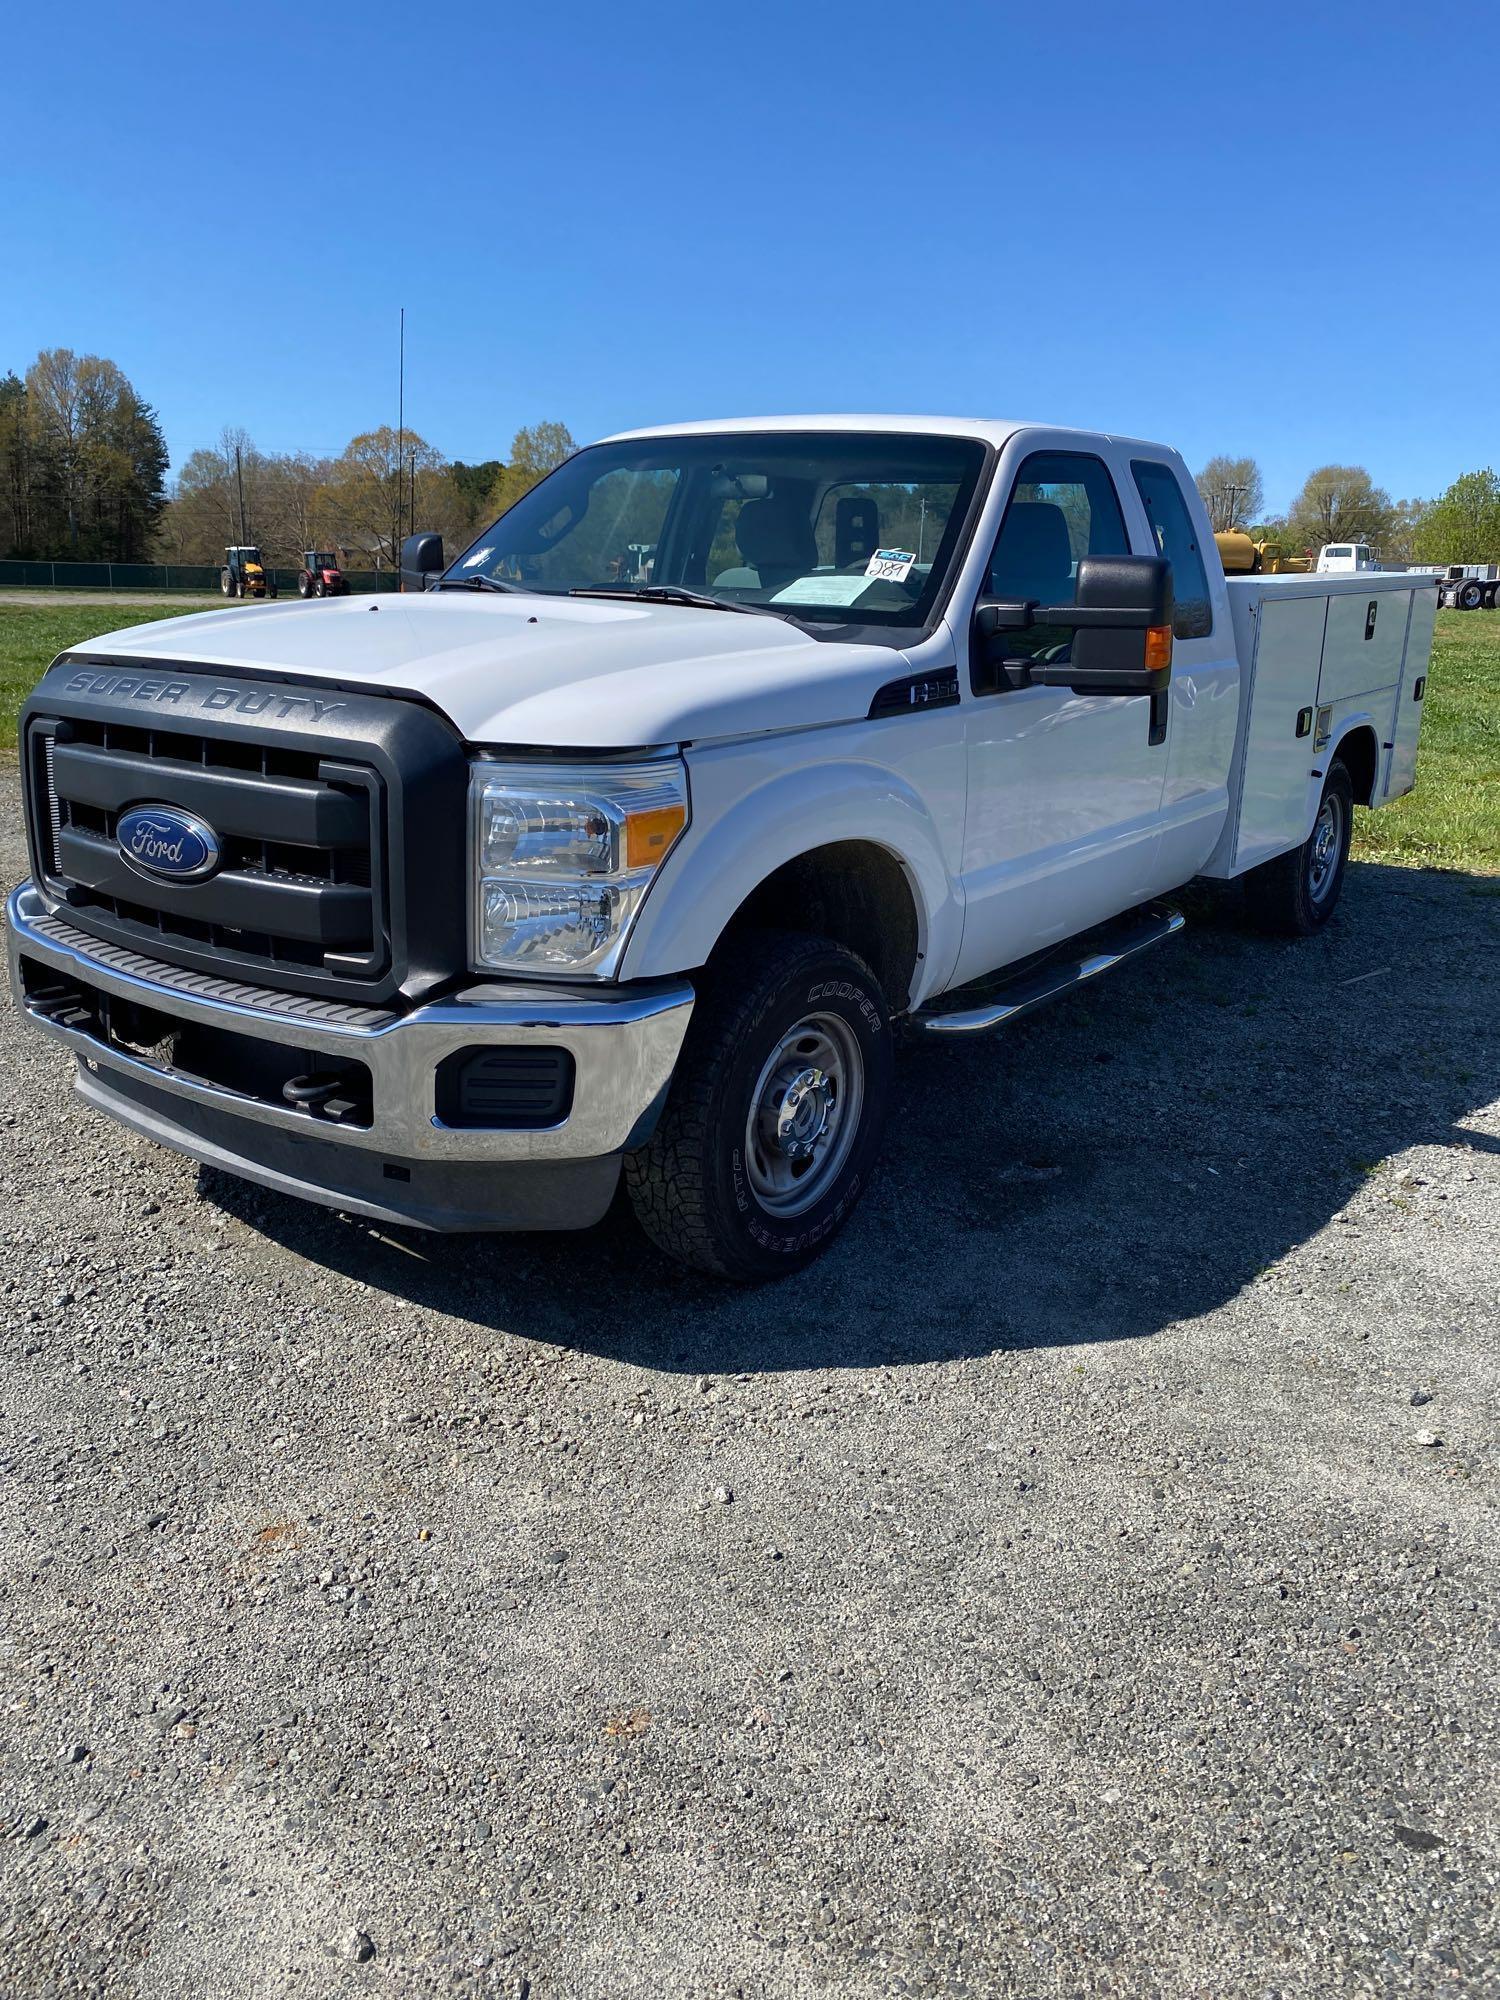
(32, 635)
(1452, 819)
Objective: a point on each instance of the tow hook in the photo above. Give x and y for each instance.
(328, 1093)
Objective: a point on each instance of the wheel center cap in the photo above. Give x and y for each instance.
(802, 1113)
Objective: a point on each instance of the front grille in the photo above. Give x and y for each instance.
(339, 816)
(299, 885)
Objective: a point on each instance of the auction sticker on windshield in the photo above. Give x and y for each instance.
(479, 555)
(891, 565)
(823, 590)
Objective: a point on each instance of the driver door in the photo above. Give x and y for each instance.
(1064, 790)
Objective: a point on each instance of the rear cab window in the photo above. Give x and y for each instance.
(1176, 538)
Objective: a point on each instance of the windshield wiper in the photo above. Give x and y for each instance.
(475, 583)
(663, 593)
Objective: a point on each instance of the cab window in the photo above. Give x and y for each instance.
(1175, 537)
(1063, 506)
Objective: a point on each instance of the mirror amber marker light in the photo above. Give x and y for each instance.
(1158, 647)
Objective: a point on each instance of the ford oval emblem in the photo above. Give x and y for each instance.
(167, 842)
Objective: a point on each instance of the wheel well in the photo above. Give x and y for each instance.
(1359, 753)
(851, 891)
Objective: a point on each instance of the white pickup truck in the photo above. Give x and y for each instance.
(633, 843)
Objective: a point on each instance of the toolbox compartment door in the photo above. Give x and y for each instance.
(1273, 786)
(1363, 645)
(1401, 758)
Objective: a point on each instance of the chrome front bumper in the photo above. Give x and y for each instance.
(624, 1046)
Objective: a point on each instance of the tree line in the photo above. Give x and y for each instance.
(361, 502)
(83, 463)
(1342, 503)
(83, 476)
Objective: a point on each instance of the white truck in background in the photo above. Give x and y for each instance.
(629, 847)
(1346, 559)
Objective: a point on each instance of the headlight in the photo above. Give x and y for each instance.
(561, 858)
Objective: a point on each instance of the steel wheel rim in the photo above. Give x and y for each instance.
(1327, 843)
(804, 1114)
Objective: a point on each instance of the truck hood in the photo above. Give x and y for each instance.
(543, 671)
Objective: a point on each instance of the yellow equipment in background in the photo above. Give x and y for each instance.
(1242, 557)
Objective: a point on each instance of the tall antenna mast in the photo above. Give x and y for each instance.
(400, 427)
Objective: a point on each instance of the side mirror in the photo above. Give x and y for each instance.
(1121, 624)
(421, 561)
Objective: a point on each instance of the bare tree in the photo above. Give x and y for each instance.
(368, 495)
(1232, 492)
(1341, 503)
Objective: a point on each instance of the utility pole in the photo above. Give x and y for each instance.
(239, 481)
(1234, 491)
(400, 429)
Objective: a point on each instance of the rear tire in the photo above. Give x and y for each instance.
(304, 585)
(1296, 894)
(776, 1112)
(226, 582)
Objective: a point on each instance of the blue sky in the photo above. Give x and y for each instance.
(1223, 227)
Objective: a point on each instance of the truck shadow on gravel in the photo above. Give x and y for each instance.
(1132, 1157)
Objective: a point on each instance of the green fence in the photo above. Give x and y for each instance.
(156, 576)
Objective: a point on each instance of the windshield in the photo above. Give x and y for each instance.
(828, 527)
(323, 559)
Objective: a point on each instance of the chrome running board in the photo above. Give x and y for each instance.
(1113, 943)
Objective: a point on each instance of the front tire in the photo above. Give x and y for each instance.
(776, 1112)
(1296, 894)
(1470, 596)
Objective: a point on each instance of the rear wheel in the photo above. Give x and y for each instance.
(304, 584)
(775, 1117)
(1470, 595)
(226, 582)
(1296, 894)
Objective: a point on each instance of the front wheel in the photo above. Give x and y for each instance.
(1296, 894)
(1470, 596)
(776, 1113)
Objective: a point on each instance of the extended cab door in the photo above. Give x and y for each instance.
(1203, 700)
(1063, 821)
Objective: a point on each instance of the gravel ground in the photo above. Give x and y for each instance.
(1084, 1581)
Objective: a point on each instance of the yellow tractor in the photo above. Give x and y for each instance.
(245, 574)
(1243, 557)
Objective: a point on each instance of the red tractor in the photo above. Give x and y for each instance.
(320, 575)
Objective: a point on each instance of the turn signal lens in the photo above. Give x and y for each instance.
(648, 835)
(1158, 648)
